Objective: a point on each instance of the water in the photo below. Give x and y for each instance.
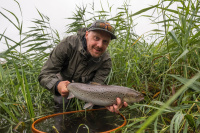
(81, 122)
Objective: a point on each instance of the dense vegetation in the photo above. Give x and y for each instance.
(165, 70)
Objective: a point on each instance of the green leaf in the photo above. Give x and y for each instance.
(158, 112)
(198, 122)
(8, 112)
(143, 10)
(10, 19)
(174, 37)
(190, 120)
(194, 86)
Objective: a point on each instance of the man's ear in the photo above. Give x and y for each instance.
(86, 34)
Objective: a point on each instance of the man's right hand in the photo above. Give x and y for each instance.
(62, 88)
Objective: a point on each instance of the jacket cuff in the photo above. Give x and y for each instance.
(50, 85)
(56, 89)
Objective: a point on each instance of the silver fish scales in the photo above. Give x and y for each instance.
(103, 95)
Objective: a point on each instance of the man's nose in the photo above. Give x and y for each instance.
(100, 44)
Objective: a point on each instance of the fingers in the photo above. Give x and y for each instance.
(110, 108)
(119, 103)
(115, 107)
(62, 88)
(125, 104)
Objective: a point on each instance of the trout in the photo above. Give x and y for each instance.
(103, 95)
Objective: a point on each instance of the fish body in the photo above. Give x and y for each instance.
(103, 95)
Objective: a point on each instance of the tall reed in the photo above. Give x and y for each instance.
(20, 90)
(165, 70)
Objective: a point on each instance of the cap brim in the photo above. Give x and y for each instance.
(111, 34)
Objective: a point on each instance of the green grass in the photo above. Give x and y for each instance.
(165, 70)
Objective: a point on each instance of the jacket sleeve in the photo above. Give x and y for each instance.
(103, 72)
(57, 58)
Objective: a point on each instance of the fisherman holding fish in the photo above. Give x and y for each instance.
(81, 58)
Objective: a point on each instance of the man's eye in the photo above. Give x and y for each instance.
(106, 42)
(96, 38)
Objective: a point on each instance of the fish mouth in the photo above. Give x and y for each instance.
(140, 99)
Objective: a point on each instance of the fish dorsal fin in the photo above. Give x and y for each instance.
(94, 83)
(88, 106)
(70, 95)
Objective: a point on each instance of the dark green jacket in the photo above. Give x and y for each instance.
(69, 61)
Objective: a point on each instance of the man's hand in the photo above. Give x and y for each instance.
(62, 88)
(115, 107)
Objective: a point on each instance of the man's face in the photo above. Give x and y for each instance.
(97, 42)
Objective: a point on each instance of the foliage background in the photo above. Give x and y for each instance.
(165, 70)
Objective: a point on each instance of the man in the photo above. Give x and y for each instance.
(81, 58)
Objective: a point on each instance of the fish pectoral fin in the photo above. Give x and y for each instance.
(71, 95)
(88, 106)
(94, 83)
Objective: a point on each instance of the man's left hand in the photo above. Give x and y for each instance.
(115, 107)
